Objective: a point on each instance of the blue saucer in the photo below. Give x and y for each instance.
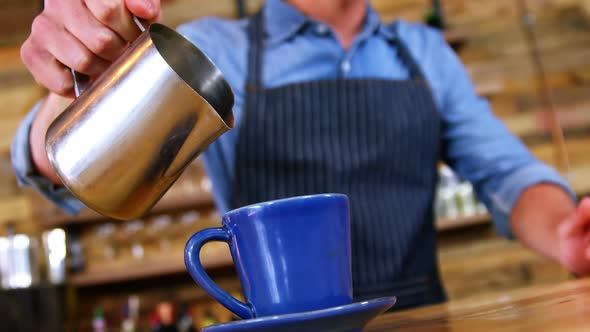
(346, 318)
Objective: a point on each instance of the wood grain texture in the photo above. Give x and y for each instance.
(14, 209)
(476, 260)
(473, 260)
(564, 307)
(16, 17)
(12, 71)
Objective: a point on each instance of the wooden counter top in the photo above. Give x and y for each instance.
(564, 307)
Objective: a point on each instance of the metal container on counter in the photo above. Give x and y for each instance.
(19, 265)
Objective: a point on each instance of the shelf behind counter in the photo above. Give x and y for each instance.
(214, 256)
(51, 216)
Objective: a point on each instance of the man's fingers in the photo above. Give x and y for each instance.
(584, 209)
(114, 15)
(148, 10)
(579, 223)
(66, 48)
(46, 70)
(97, 37)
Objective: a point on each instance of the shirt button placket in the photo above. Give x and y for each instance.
(345, 66)
(321, 29)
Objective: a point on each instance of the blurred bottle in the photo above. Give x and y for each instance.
(131, 315)
(435, 16)
(160, 231)
(54, 245)
(466, 201)
(165, 312)
(455, 197)
(99, 323)
(20, 265)
(132, 235)
(75, 252)
(153, 320)
(185, 321)
(209, 319)
(445, 203)
(105, 235)
(127, 324)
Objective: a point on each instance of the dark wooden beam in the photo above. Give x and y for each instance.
(241, 8)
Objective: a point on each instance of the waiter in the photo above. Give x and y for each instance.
(329, 99)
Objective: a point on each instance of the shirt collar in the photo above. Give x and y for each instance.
(283, 21)
(390, 32)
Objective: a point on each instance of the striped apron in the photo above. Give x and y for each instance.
(375, 140)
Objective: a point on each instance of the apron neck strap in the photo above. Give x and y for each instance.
(404, 53)
(256, 36)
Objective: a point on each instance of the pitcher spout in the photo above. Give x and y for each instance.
(197, 70)
(228, 118)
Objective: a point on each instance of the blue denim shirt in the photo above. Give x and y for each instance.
(477, 145)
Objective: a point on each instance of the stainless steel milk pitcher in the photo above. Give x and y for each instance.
(126, 139)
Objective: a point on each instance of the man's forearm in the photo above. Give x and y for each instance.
(537, 215)
(52, 106)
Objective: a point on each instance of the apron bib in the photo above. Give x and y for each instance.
(375, 140)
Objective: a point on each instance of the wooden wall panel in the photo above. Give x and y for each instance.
(15, 20)
(495, 54)
(179, 11)
(498, 61)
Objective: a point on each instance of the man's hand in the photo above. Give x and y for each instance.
(86, 35)
(574, 240)
(546, 219)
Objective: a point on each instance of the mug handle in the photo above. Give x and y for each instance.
(200, 276)
(82, 81)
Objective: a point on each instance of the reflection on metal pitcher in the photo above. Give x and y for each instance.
(125, 140)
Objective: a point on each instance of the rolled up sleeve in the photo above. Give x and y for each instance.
(480, 148)
(27, 175)
(511, 187)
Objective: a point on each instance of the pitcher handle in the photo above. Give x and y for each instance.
(200, 276)
(82, 81)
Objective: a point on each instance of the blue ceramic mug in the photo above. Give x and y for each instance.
(291, 255)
